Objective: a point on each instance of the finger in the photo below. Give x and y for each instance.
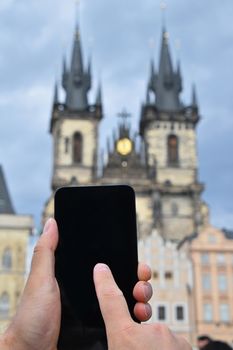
(142, 311)
(144, 272)
(43, 256)
(142, 291)
(111, 300)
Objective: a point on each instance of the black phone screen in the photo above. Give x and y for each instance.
(96, 224)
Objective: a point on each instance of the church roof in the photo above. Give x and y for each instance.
(6, 206)
(166, 84)
(76, 80)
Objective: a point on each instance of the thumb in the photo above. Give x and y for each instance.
(112, 303)
(42, 264)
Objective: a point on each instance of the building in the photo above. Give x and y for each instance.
(172, 282)
(211, 253)
(14, 234)
(163, 170)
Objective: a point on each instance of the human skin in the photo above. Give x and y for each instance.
(36, 324)
(122, 332)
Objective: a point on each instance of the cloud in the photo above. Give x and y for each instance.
(35, 35)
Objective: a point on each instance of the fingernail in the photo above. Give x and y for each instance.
(147, 291)
(101, 267)
(47, 225)
(148, 310)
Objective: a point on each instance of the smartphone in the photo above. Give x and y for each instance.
(97, 224)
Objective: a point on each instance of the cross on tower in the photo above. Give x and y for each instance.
(124, 115)
(163, 7)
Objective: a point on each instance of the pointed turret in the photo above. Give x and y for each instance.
(64, 74)
(194, 97)
(152, 78)
(6, 206)
(166, 84)
(76, 81)
(148, 101)
(89, 68)
(99, 96)
(56, 97)
(178, 78)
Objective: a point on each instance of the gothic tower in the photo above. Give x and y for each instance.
(74, 127)
(168, 128)
(126, 164)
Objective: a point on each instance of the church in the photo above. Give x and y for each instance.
(191, 261)
(161, 166)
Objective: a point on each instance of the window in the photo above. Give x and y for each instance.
(161, 313)
(220, 258)
(224, 313)
(205, 258)
(206, 282)
(172, 144)
(4, 305)
(168, 275)
(7, 259)
(179, 313)
(155, 274)
(208, 312)
(67, 141)
(222, 282)
(77, 147)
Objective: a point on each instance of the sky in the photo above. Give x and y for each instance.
(121, 37)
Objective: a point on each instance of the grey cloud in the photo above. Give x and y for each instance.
(33, 37)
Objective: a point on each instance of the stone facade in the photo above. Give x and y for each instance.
(64, 165)
(156, 135)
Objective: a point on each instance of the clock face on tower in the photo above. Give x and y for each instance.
(124, 146)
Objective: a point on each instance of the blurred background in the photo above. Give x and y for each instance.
(120, 39)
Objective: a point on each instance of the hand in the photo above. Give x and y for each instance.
(122, 332)
(36, 324)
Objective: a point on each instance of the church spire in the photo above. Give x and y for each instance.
(166, 84)
(76, 81)
(194, 97)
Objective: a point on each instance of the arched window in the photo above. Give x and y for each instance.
(4, 305)
(172, 146)
(7, 259)
(77, 147)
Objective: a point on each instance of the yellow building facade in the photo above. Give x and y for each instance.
(14, 238)
(211, 253)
